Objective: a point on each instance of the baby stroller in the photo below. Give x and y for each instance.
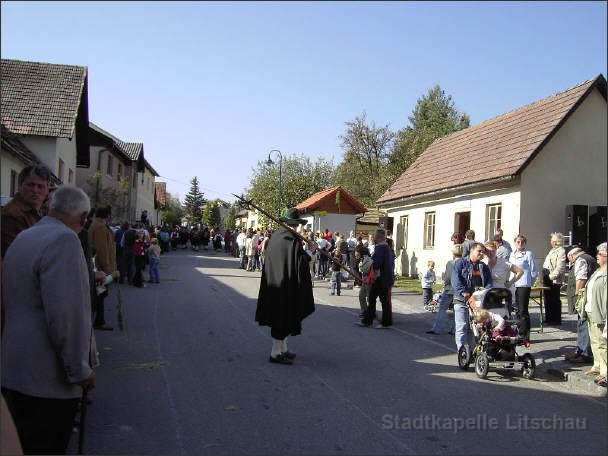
(433, 305)
(494, 349)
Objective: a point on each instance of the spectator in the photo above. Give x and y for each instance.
(382, 260)
(501, 250)
(128, 261)
(285, 297)
(427, 281)
(523, 259)
(45, 345)
(23, 210)
(469, 274)
(364, 261)
(154, 254)
(554, 269)
(505, 244)
(101, 240)
(447, 295)
(139, 255)
(336, 274)
(504, 274)
(457, 238)
(469, 240)
(240, 242)
(582, 267)
(593, 304)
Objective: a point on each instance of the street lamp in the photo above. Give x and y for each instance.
(270, 162)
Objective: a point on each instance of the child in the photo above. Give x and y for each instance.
(428, 280)
(336, 274)
(154, 253)
(486, 320)
(365, 262)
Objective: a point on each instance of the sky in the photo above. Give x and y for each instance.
(211, 87)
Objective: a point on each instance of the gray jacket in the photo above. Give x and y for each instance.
(45, 344)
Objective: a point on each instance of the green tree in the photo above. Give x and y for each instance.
(211, 214)
(116, 197)
(229, 220)
(433, 117)
(300, 178)
(193, 202)
(366, 154)
(173, 212)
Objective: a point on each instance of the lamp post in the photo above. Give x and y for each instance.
(270, 162)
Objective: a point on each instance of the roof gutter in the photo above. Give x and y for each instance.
(414, 198)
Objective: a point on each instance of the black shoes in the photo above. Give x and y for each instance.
(432, 332)
(104, 327)
(281, 359)
(363, 325)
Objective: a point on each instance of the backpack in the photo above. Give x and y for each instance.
(372, 275)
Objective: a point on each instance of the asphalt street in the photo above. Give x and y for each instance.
(190, 375)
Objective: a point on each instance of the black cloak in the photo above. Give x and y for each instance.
(285, 297)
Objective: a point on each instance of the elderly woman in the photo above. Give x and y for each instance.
(554, 272)
(523, 259)
(501, 269)
(593, 302)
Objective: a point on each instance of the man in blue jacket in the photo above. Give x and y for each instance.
(469, 273)
(384, 261)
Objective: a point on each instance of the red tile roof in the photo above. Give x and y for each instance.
(501, 147)
(325, 200)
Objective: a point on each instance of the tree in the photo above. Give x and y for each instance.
(211, 214)
(366, 154)
(116, 197)
(433, 117)
(173, 212)
(193, 202)
(300, 179)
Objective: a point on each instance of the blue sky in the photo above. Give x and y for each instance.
(211, 87)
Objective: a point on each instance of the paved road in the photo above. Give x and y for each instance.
(190, 375)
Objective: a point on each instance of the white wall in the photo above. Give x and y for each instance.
(571, 169)
(342, 223)
(414, 257)
(8, 163)
(145, 194)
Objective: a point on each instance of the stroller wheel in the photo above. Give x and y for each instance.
(529, 366)
(464, 357)
(482, 365)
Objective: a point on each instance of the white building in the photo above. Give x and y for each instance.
(46, 107)
(517, 171)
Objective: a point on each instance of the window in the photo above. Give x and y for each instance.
(13, 182)
(429, 230)
(70, 176)
(119, 173)
(110, 165)
(60, 170)
(493, 219)
(402, 233)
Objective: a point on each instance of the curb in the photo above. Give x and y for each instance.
(574, 378)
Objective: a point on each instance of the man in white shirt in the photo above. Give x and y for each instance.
(240, 242)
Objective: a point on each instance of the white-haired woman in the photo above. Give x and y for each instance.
(554, 272)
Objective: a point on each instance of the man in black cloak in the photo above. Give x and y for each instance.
(285, 296)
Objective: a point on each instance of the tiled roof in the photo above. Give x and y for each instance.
(326, 200)
(12, 145)
(41, 98)
(500, 147)
(133, 151)
(161, 193)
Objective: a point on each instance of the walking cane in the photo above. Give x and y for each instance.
(119, 315)
(302, 238)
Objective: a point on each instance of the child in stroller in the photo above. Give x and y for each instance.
(496, 335)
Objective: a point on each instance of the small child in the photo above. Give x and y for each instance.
(336, 274)
(154, 254)
(428, 280)
(487, 320)
(365, 262)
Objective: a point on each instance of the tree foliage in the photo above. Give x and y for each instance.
(173, 212)
(194, 202)
(211, 214)
(300, 178)
(367, 151)
(433, 117)
(116, 197)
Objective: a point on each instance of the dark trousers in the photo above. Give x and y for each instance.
(126, 266)
(99, 309)
(427, 296)
(279, 334)
(522, 299)
(44, 425)
(378, 290)
(553, 305)
(583, 342)
(140, 264)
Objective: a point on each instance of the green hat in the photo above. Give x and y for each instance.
(292, 217)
